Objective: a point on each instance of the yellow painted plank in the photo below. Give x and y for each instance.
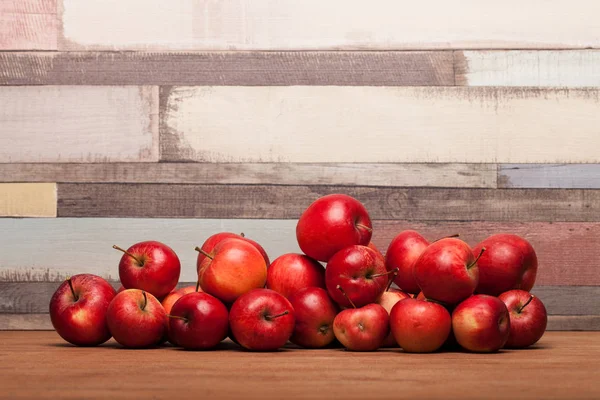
(27, 200)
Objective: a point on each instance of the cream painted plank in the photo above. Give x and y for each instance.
(28, 25)
(566, 68)
(335, 24)
(27, 200)
(379, 124)
(78, 123)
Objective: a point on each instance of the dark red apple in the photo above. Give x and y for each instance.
(388, 300)
(150, 266)
(528, 318)
(315, 312)
(212, 241)
(332, 223)
(78, 309)
(292, 272)
(402, 253)
(262, 320)
(481, 323)
(447, 271)
(198, 321)
(136, 319)
(509, 262)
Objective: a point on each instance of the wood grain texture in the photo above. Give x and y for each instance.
(28, 25)
(565, 176)
(78, 124)
(562, 68)
(574, 323)
(264, 202)
(338, 25)
(379, 124)
(27, 200)
(369, 68)
(25, 322)
(568, 253)
(363, 174)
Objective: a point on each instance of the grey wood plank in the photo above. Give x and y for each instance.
(363, 174)
(288, 202)
(372, 68)
(25, 322)
(563, 176)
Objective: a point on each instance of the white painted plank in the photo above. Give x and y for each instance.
(381, 124)
(567, 68)
(334, 24)
(27, 199)
(78, 123)
(51, 249)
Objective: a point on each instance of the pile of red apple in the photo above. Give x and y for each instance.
(447, 294)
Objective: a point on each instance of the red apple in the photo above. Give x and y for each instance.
(211, 242)
(528, 318)
(420, 296)
(198, 321)
(78, 309)
(332, 223)
(420, 326)
(372, 246)
(150, 266)
(120, 289)
(170, 299)
(262, 320)
(315, 312)
(447, 271)
(232, 268)
(402, 253)
(509, 262)
(360, 272)
(481, 323)
(388, 300)
(136, 319)
(292, 272)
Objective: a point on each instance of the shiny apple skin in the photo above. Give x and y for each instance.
(314, 312)
(332, 223)
(362, 329)
(292, 272)
(170, 299)
(388, 300)
(527, 325)
(402, 253)
(213, 240)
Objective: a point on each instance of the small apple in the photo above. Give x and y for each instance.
(198, 321)
(136, 319)
(292, 272)
(315, 312)
(402, 253)
(262, 320)
(388, 300)
(528, 318)
(211, 242)
(150, 266)
(509, 262)
(170, 299)
(420, 326)
(78, 309)
(232, 268)
(481, 323)
(332, 223)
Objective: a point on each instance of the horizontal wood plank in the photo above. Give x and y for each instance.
(25, 322)
(379, 124)
(573, 323)
(265, 202)
(27, 200)
(562, 68)
(28, 25)
(434, 68)
(363, 174)
(565, 176)
(311, 25)
(78, 124)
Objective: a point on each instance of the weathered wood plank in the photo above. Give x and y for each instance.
(368, 68)
(28, 25)
(562, 68)
(363, 174)
(289, 25)
(27, 200)
(379, 124)
(564, 176)
(78, 124)
(25, 322)
(288, 202)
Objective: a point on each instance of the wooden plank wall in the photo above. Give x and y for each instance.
(145, 119)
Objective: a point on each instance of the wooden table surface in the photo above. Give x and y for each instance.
(564, 365)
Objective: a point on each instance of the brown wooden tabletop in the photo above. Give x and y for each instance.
(564, 365)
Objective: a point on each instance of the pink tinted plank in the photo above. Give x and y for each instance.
(28, 25)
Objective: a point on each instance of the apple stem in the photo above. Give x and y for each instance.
(393, 271)
(394, 275)
(177, 317)
(364, 227)
(198, 249)
(145, 300)
(526, 304)
(272, 317)
(129, 254)
(447, 237)
(72, 290)
(197, 284)
(345, 295)
(477, 259)
(242, 234)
